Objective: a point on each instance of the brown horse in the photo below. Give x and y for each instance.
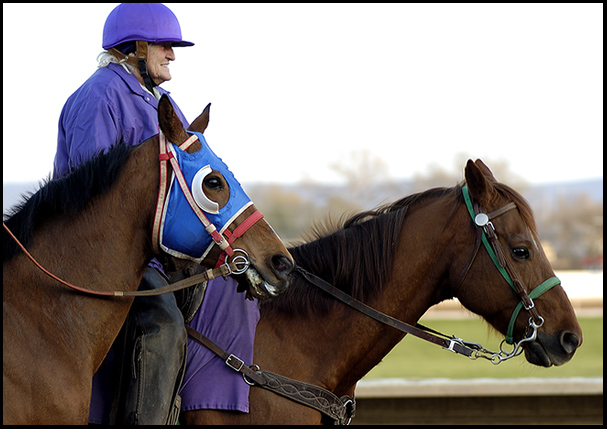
(93, 228)
(401, 260)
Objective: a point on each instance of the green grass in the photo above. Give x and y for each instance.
(414, 358)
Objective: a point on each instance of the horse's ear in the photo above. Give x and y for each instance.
(479, 184)
(485, 170)
(169, 122)
(201, 122)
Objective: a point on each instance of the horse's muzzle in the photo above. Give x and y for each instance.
(550, 350)
(263, 284)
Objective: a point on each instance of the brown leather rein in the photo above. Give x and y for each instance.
(341, 410)
(223, 270)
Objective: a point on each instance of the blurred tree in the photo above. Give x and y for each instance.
(436, 176)
(574, 228)
(571, 229)
(367, 181)
(286, 210)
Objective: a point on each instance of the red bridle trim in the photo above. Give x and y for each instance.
(163, 157)
(243, 227)
(239, 232)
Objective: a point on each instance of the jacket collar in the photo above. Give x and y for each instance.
(134, 85)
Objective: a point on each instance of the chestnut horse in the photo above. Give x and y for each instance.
(93, 228)
(401, 260)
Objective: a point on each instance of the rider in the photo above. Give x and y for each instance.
(118, 104)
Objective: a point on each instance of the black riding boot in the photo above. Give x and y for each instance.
(153, 360)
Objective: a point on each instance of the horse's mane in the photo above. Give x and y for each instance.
(66, 196)
(356, 254)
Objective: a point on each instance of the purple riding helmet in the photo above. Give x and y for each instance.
(150, 22)
(131, 26)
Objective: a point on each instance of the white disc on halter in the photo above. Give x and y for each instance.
(200, 197)
(481, 219)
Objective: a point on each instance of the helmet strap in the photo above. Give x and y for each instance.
(139, 62)
(142, 54)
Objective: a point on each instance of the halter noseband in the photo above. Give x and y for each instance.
(489, 239)
(224, 243)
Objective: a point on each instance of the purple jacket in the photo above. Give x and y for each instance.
(109, 107)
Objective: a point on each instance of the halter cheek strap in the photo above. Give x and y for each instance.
(238, 232)
(496, 252)
(164, 156)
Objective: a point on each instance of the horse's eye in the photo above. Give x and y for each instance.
(213, 183)
(520, 253)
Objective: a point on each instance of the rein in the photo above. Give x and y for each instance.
(239, 264)
(418, 331)
(223, 270)
(339, 409)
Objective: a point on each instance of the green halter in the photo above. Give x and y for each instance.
(535, 293)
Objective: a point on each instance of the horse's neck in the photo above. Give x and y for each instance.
(125, 217)
(58, 337)
(106, 247)
(113, 233)
(338, 349)
(333, 351)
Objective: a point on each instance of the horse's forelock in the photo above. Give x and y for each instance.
(522, 205)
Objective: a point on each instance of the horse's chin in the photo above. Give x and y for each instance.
(546, 352)
(536, 355)
(258, 287)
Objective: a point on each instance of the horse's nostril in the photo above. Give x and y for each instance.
(569, 341)
(282, 265)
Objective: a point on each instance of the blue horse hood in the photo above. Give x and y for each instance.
(182, 234)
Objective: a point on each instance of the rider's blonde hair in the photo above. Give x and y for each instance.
(114, 56)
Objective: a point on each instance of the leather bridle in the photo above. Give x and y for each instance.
(239, 264)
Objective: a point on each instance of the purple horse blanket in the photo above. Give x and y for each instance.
(230, 321)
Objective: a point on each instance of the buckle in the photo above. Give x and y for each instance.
(531, 304)
(243, 260)
(452, 342)
(234, 362)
